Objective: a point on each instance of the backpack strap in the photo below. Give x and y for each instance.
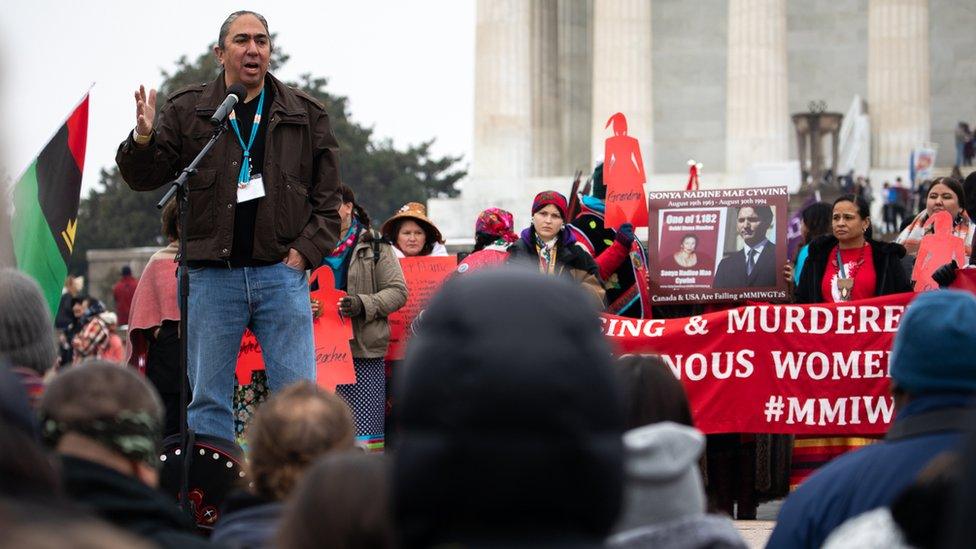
(377, 239)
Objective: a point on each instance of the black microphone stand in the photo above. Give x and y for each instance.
(178, 188)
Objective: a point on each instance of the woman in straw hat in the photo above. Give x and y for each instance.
(412, 233)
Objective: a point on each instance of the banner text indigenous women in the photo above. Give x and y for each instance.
(792, 369)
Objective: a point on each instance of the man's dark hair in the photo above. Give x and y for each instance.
(763, 211)
(225, 28)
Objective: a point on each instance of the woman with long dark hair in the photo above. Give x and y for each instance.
(944, 194)
(848, 264)
(814, 222)
(844, 266)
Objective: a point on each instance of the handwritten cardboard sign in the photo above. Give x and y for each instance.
(935, 250)
(331, 333)
(423, 275)
(623, 173)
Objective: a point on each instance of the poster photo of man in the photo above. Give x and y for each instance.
(752, 263)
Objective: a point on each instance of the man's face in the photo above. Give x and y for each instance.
(246, 52)
(750, 226)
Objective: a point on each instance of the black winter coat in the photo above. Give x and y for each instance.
(891, 277)
(571, 260)
(128, 504)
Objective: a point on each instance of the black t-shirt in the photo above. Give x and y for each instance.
(246, 213)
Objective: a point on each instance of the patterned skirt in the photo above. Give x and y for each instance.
(812, 452)
(367, 399)
(247, 399)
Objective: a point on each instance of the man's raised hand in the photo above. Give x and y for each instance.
(145, 111)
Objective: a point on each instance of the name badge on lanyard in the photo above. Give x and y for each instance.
(249, 186)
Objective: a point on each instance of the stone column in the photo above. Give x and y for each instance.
(622, 72)
(503, 90)
(898, 79)
(757, 116)
(576, 83)
(547, 112)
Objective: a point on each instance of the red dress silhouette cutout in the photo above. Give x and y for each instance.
(331, 331)
(935, 250)
(623, 174)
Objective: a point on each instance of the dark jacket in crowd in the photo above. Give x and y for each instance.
(128, 504)
(873, 476)
(248, 522)
(891, 277)
(301, 173)
(571, 260)
(510, 418)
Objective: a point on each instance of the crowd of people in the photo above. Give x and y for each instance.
(502, 441)
(508, 423)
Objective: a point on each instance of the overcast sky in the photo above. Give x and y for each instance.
(407, 67)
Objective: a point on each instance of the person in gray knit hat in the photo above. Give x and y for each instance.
(26, 331)
(664, 503)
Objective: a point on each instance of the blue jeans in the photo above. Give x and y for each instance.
(273, 302)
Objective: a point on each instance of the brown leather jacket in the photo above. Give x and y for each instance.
(301, 173)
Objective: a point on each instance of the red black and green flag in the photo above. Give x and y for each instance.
(45, 201)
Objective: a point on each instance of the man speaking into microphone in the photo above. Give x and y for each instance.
(263, 207)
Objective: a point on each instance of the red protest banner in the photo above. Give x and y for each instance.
(623, 174)
(423, 275)
(965, 280)
(793, 369)
(331, 332)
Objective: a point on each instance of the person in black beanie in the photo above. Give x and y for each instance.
(510, 416)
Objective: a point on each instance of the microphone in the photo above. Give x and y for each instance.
(235, 93)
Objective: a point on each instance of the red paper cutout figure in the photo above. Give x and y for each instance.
(332, 332)
(623, 174)
(935, 250)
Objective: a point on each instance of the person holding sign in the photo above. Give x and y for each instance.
(845, 266)
(945, 194)
(412, 233)
(848, 264)
(548, 244)
(262, 209)
(367, 269)
(621, 256)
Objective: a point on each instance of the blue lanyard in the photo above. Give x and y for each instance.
(245, 176)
